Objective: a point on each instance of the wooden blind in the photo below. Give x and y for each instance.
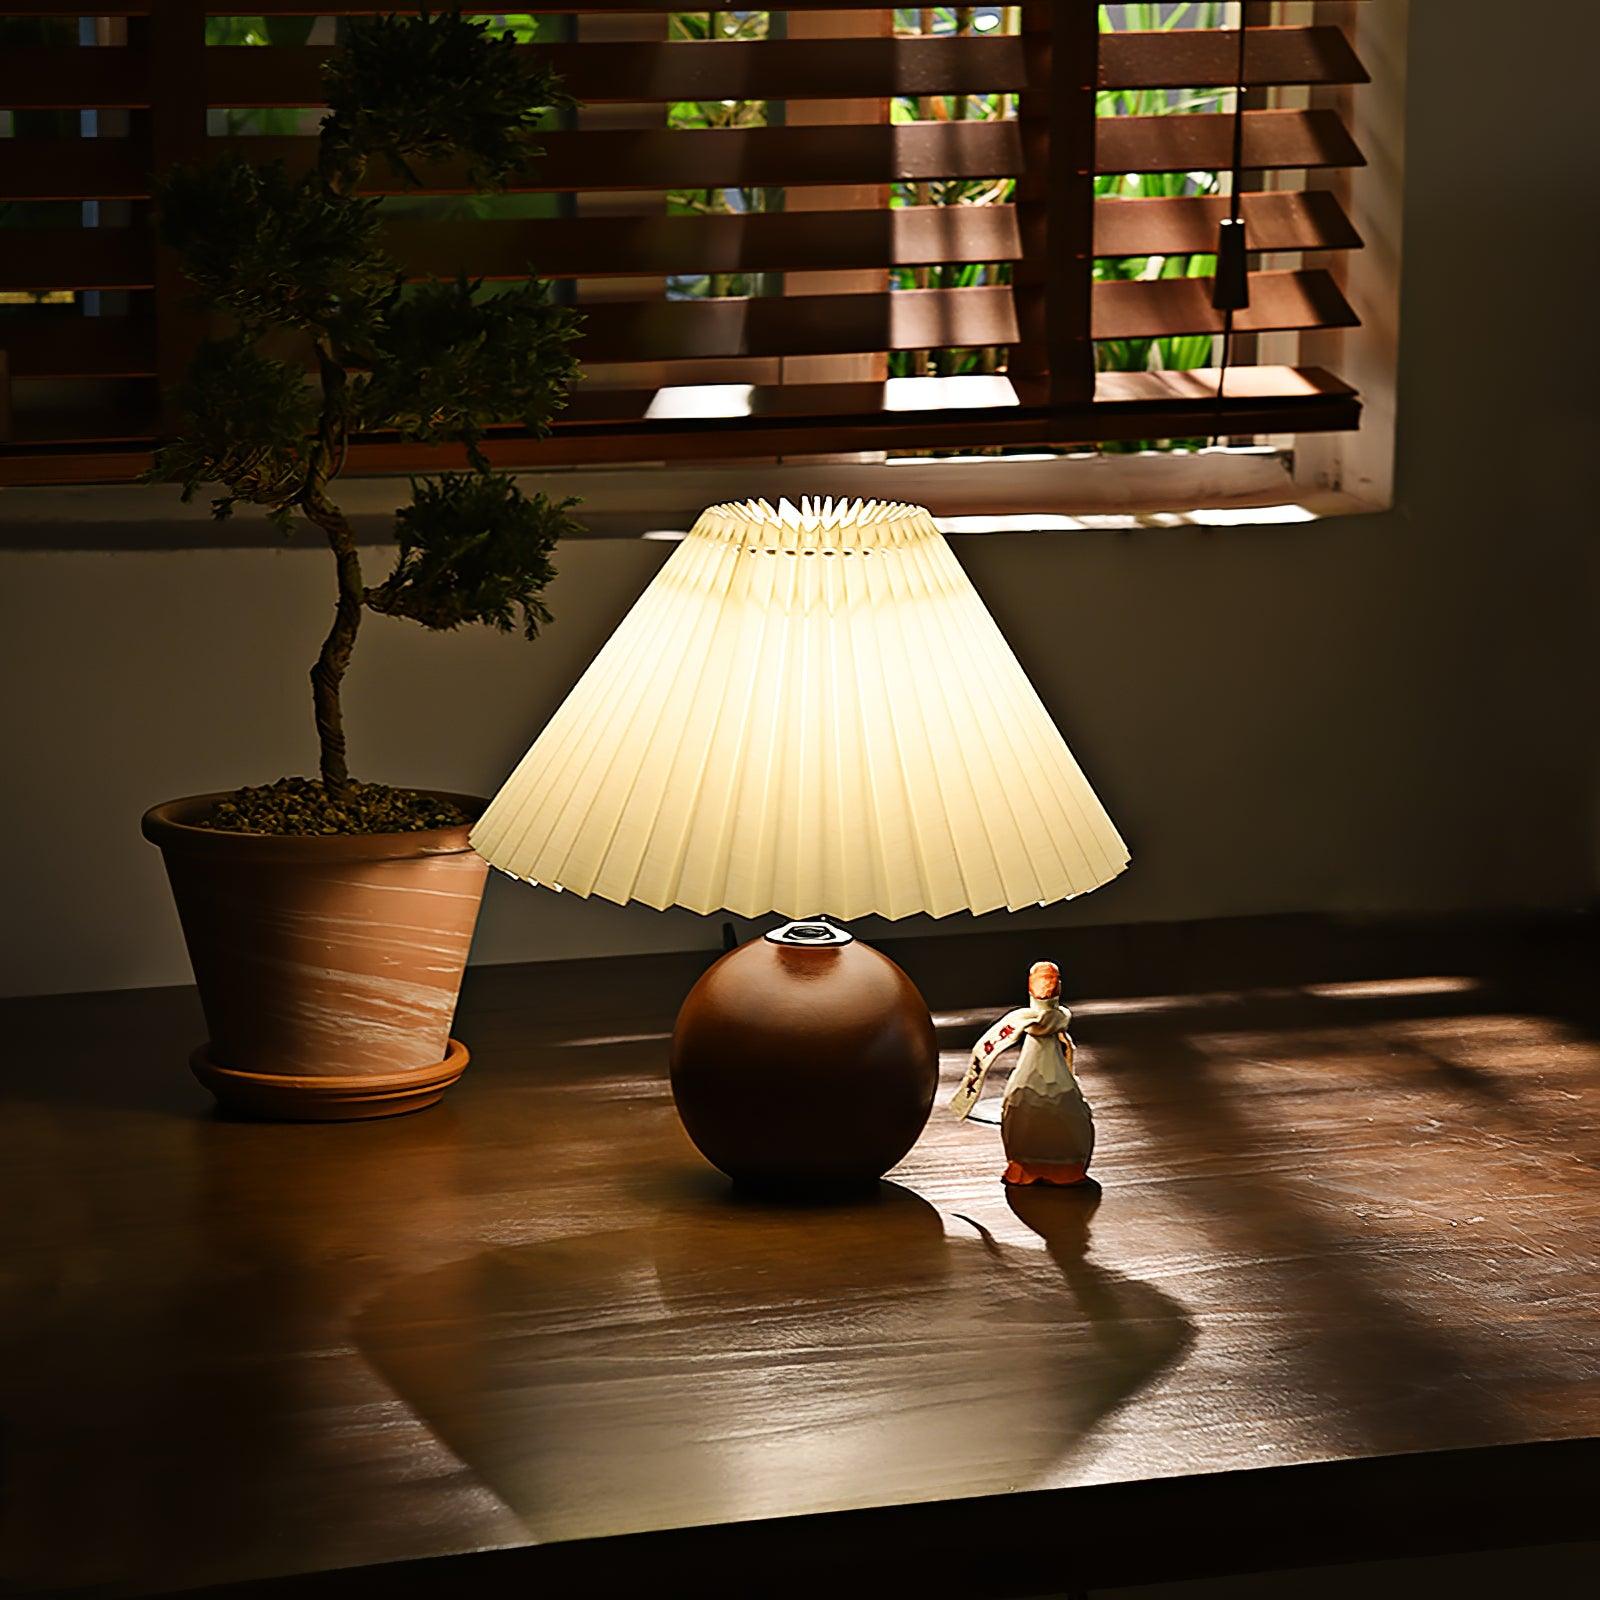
(868, 314)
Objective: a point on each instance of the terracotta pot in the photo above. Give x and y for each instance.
(328, 967)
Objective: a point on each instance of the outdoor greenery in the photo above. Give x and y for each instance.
(295, 265)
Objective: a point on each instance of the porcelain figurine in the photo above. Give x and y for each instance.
(1045, 1122)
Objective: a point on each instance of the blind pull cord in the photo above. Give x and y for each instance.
(1230, 288)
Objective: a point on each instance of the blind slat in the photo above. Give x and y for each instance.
(1182, 404)
(815, 241)
(754, 69)
(57, 344)
(1281, 220)
(817, 324)
(1178, 58)
(1203, 142)
(74, 169)
(76, 258)
(348, 8)
(793, 418)
(584, 247)
(52, 77)
(57, 8)
(51, 344)
(669, 158)
(819, 241)
(88, 169)
(1165, 306)
(977, 396)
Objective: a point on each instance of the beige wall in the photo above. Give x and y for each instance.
(1391, 713)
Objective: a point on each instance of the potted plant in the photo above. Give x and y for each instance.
(327, 920)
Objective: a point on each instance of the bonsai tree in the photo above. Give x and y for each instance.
(328, 340)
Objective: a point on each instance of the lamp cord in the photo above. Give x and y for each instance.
(1230, 290)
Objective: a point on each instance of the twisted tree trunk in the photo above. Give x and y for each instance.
(333, 660)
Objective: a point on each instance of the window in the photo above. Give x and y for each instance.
(906, 232)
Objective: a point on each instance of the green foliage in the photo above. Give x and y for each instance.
(232, 31)
(526, 27)
(450, 360)
(473, 548)
(271, 249)
(246, 425)
(467, 94)
(255, 32)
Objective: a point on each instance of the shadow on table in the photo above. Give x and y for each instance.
(740, 1360)
(1374, 1197)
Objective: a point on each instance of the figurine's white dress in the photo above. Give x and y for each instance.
(1045, 1122)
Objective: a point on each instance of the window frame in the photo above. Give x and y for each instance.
(1312, 474)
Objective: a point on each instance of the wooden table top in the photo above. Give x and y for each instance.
(1349, 1213)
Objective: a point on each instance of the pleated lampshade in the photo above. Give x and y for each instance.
(809, 711)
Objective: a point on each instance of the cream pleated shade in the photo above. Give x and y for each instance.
(808, 712)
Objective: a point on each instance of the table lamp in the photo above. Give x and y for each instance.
(809, 712)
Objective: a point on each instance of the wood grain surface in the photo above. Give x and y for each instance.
(1348, 1213)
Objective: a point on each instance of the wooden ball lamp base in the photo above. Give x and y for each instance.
(804, 1062)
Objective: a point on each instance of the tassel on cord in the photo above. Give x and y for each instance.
(1230, 288)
